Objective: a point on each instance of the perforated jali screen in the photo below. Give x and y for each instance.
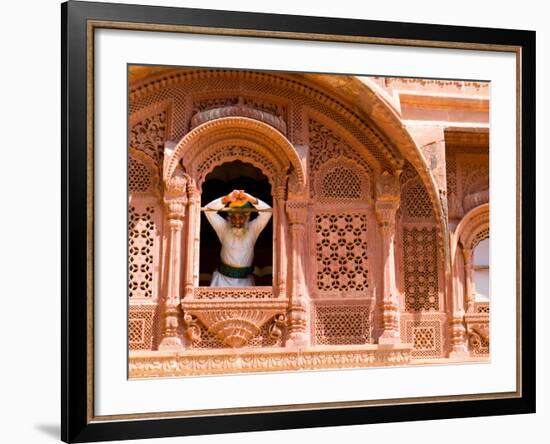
(341, 252)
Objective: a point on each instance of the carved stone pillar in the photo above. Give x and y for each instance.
(280, 244)
(457, 329)
(194, 200)
(175, 200)
(387, 203)
(469, 291)
(459, 349)
(298, 332)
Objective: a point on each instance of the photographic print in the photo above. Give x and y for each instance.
(294, 221)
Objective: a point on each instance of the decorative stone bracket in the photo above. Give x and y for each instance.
(235, 323)
(477, 329)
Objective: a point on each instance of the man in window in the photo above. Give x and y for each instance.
(238, 235)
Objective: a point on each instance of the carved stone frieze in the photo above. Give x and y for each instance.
(241, 110)
(192, 363)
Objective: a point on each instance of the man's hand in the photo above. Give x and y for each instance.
(248, 198)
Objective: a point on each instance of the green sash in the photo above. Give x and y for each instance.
(235, 272)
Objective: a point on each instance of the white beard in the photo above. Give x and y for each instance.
(239, 232)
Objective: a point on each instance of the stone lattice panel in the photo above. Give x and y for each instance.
(420, 269)
(482, 235)
(139, 179)
(341, 253)
(340, 184)
(141, 327)
(451, 171)
(425, 335)
(141, 240)
(482, 307)
(416, 203)
(342, 324)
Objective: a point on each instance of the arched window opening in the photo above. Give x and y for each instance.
(480, 271)
(220, 182)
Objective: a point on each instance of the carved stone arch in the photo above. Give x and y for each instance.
(258, 137)
(358, 100)
(229, 150)
(380, 109)
(474, 227)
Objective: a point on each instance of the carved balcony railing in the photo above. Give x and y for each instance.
(233, 293)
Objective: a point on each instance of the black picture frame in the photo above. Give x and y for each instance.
(78, 424)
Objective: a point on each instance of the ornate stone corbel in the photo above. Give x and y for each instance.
(477, 329)
(192, 329)
(276, 328)
(386, 206)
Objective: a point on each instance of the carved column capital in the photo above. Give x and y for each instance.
(387, 201)
(279, 192)
(387, 186)
(385, 211)
(467, 255)
(175, 211)
(193, 193)
(175, 186)
(175, 195)
(296, 211)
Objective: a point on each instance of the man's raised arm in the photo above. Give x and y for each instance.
(261, 221)
(217, 222)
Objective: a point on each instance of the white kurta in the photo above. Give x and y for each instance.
(237, 249)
